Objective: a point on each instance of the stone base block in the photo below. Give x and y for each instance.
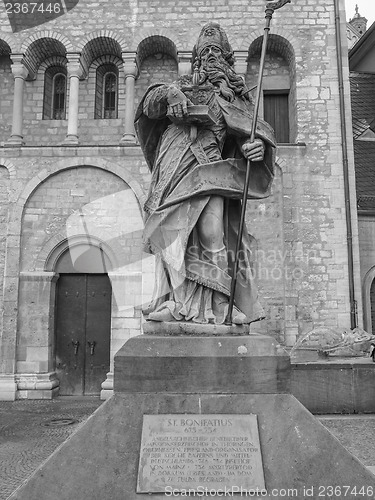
(107, 387)
(209, 364)
(8, 387)
(15, 141)
(38, 394)
(335, 385)
(127, 139)
(197, 329)
(71, 140)
(106, 394)
(37, 385)
(100, 461)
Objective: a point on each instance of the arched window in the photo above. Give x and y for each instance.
(58, 97)
(110, 96)
(54, 100)
(278, 104)
(106, 96)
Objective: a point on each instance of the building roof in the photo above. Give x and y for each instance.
(362, 92)
(365, 167)
(364, 45)
(362, 87)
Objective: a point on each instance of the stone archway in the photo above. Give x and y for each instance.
(98, 209)
(369, 300)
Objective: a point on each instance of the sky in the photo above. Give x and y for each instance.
(366, 9)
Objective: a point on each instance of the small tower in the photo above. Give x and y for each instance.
(358, 22)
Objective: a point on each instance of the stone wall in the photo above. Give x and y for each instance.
(158, 68)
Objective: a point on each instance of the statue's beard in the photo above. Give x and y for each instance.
(216, 70)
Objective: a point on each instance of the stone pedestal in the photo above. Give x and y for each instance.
(214, 364)
(207, 375)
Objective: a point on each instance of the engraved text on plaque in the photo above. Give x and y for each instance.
(207, 451)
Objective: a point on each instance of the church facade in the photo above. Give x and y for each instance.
(73, 180)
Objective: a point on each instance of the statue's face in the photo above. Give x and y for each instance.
(210, 54)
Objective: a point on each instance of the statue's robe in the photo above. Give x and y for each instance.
(185, 174)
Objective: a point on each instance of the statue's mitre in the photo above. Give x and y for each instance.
(213, 35)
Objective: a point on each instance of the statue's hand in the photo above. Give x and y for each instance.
(177, 102)
(253, 151)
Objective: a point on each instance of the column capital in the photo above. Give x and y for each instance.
(46, 276)
(19, 69)
(240, 64)
(184, 62)
(130, 67)
(74, 65)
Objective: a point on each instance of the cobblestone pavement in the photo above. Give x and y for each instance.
(31, 430)
(356, 433)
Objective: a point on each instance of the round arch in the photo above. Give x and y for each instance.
(108, 34)
(76, 243)
(366, 290)
(153, 44)
(110, 166)
(82, 225)
(276, 43)
(41, 49)
(4, 162)
(53, 61)
(8, 42)
(161, 33)
(59, 243)
(4, 48)
(55, 35)
(280, 32)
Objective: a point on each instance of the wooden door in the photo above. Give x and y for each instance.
(83, 320)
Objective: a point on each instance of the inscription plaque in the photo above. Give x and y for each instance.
(206, 451)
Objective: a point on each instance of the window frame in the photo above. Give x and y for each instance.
(102, 72)
(279, 92)
(50, 75)
(53, 108)
(115, 109)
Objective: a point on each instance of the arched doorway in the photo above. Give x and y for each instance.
(372, 302)
(82, 320)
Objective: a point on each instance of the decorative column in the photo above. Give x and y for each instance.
(75, 72)
(20, 73)
(130, 74)
(240, 64)
(185, 63)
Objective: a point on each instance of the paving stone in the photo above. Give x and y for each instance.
(25, 440)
